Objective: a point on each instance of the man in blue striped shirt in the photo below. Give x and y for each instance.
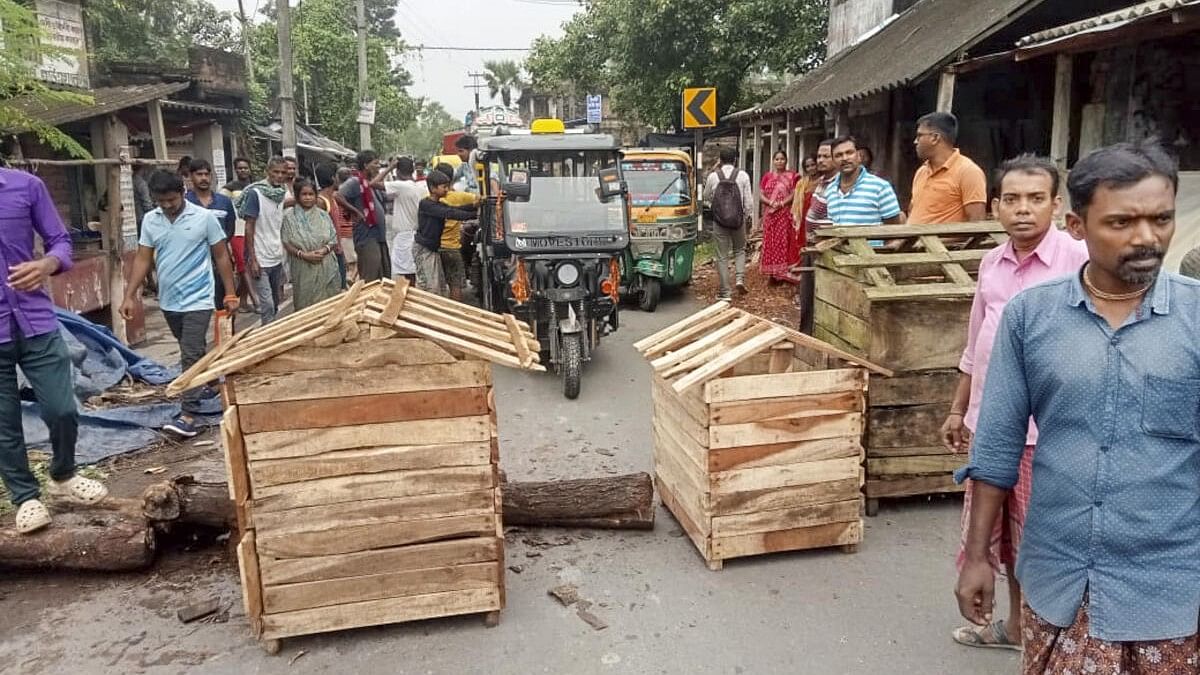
(859, 197)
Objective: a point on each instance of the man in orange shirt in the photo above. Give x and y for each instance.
(948, 187)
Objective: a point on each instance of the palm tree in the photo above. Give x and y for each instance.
(503, 78)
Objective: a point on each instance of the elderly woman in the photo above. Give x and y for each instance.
(310, 240)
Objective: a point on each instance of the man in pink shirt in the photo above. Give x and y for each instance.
(1025, 204)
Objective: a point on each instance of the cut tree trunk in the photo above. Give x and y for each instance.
(616, 502)
(100, 540)
(185, 501)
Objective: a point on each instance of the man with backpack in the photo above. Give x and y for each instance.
(729, 193)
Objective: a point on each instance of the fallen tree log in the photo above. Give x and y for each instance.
(98, 540)
(615, 502)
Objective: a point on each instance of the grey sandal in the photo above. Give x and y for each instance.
(972, 636)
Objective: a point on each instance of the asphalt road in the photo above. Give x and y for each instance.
(886, 609)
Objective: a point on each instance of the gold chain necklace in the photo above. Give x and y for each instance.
(1111, 297)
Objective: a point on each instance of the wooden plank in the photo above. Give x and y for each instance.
(651, 341)
(852, 330)
(808, 341)
(714, 351)
(785, 430)
(336, 383)
(753, 501)
(1060, 124)
(342, 308)
(692, 332)
(379, 612)
(692, 483)
(919, 335)
(374, 511)
(907, 426)
(954, 272)
(730, 358)
(945, 92)
(841, 291)
(914, 230)
(518, 340)
(781, 358)
(375, 536)
(916, 451)
(418, 556)
(741, 412)
(909, 487)
(913, 388)
(899, 466)
(463, 344)
(248, 570)
(268, 473)
(395, 303)
(308, 595)
(920, 291)
(322, 413)
(308, 442)
(702, 344)
(779, 454)
(756, 387)
(821, 536)
(205, 361)
(235, 455)
(826, 335)
(482, 332)
(670, 413)
(366, 355)
(448, 306)
(384, 485)
(687, 405)
(666, 492)
(686, 446)
(809, 473)
(786, 519)
(851, 261)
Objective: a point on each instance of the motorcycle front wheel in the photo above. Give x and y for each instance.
(570, 363)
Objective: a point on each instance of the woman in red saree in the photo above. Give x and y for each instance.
(779, 249)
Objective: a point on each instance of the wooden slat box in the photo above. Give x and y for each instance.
(757, 435)
(908, 311)
(364, 464)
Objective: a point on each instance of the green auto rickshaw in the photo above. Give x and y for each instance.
(664, 213)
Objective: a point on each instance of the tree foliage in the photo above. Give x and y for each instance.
(643, 53)
(154, 31)
(22, 47)
(423, 138)
(503, 78)
(325, 55)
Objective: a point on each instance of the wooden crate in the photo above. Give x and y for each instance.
(757, 435)
(908, 311)
(363, 461)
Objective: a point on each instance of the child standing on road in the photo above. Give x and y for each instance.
(431, 223)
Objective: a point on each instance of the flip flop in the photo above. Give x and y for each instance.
(972, 636)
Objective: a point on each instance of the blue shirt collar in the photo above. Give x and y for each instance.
(1159, 298)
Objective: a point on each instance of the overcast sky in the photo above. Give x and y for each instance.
(441, 75)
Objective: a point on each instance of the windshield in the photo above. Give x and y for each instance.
(563, 189)
(657, 183)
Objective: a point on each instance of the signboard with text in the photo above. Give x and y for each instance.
(595, 109)
(62, 23)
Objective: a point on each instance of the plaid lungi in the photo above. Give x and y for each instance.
(1006, 534)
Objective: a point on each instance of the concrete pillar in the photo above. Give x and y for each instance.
(209, 143)
(1060, 134)
(756, 169)
(790, 137)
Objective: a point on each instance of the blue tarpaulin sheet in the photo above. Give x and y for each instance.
(100, 361)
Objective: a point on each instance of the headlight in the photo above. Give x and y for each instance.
(567, 274)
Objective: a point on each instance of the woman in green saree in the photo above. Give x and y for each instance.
(309, 239)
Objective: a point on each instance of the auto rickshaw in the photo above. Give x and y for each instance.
(552, 226)
(664, 217)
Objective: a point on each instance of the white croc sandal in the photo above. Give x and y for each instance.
(32, 516)
(78, 489)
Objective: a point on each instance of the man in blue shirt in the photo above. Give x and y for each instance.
(1107, 363)
(859, 197)
(182, 240)
(202, 195)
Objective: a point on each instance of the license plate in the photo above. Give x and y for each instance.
(647, 218)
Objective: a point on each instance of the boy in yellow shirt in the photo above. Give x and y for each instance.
(453, 268)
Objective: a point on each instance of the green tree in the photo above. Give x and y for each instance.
(644, 53)
(153, 31)
(503, 78)
(324, 48)
(21, 48)
(423, 138)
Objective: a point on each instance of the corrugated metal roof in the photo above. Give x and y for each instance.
(914, 43)
(1120, 16)
(307, 139)
(206, 108)
(105, 100)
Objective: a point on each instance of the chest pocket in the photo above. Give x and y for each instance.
(1170, 407)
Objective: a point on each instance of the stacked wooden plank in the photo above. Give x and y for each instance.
(906, 309)
(363, 461)
(756, 435)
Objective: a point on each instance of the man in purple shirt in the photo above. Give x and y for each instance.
(29, 338)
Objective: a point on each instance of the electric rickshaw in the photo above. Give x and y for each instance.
(664, 216)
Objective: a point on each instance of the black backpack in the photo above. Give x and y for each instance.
(727, 208)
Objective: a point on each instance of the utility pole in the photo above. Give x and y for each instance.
(287, 99)
(246, 42)
(364, 128)
(476, 85)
